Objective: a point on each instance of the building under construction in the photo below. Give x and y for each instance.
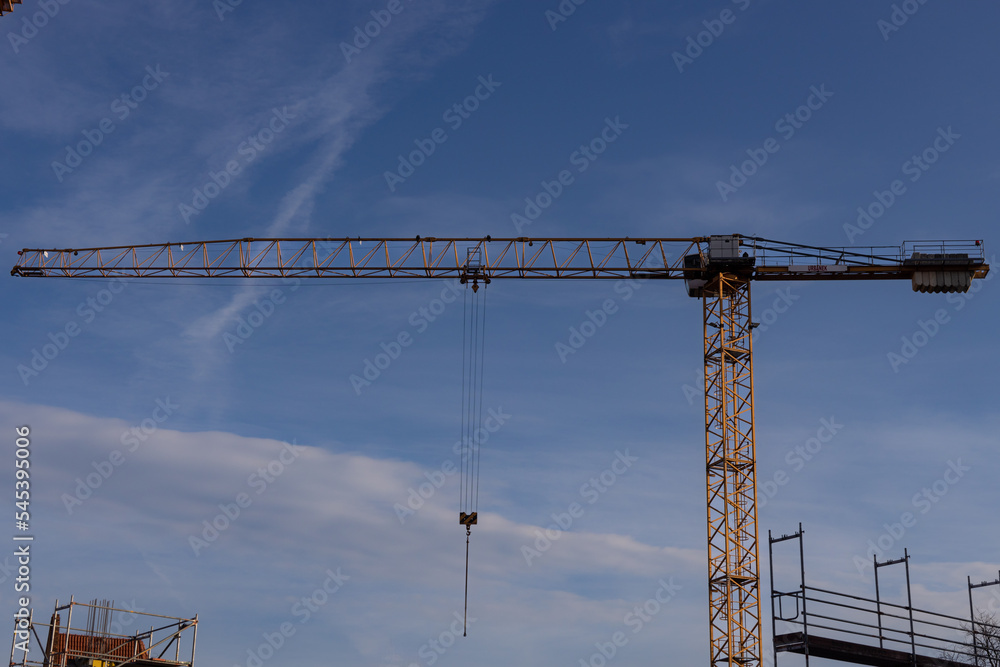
(104, 636)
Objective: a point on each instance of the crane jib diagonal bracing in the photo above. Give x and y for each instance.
(716, 269)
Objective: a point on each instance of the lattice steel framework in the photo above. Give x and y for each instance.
(733, 583)
(431, 257)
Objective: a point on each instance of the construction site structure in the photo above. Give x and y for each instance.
(104, 636)
(820, 623)
(8, 5)
(716, 269)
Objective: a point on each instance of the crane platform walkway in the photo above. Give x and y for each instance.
(858, 654)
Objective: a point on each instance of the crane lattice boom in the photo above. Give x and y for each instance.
(430, 257)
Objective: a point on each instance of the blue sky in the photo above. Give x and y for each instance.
(225, 120)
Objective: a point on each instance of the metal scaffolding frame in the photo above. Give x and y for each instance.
(975, 625)
(97, 642)
(849, 628)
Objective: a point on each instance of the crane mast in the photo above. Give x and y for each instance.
(716, 269)
(733, 583)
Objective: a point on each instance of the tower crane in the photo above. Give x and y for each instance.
(716, 269)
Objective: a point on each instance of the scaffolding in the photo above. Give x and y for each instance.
(103, 638)
(820, 623)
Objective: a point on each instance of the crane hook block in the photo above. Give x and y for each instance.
(468, 519)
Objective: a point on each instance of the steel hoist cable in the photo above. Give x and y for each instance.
(473, 346)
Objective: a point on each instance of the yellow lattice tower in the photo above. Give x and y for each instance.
(733, 584)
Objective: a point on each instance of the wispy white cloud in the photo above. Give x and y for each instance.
(346, 105)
